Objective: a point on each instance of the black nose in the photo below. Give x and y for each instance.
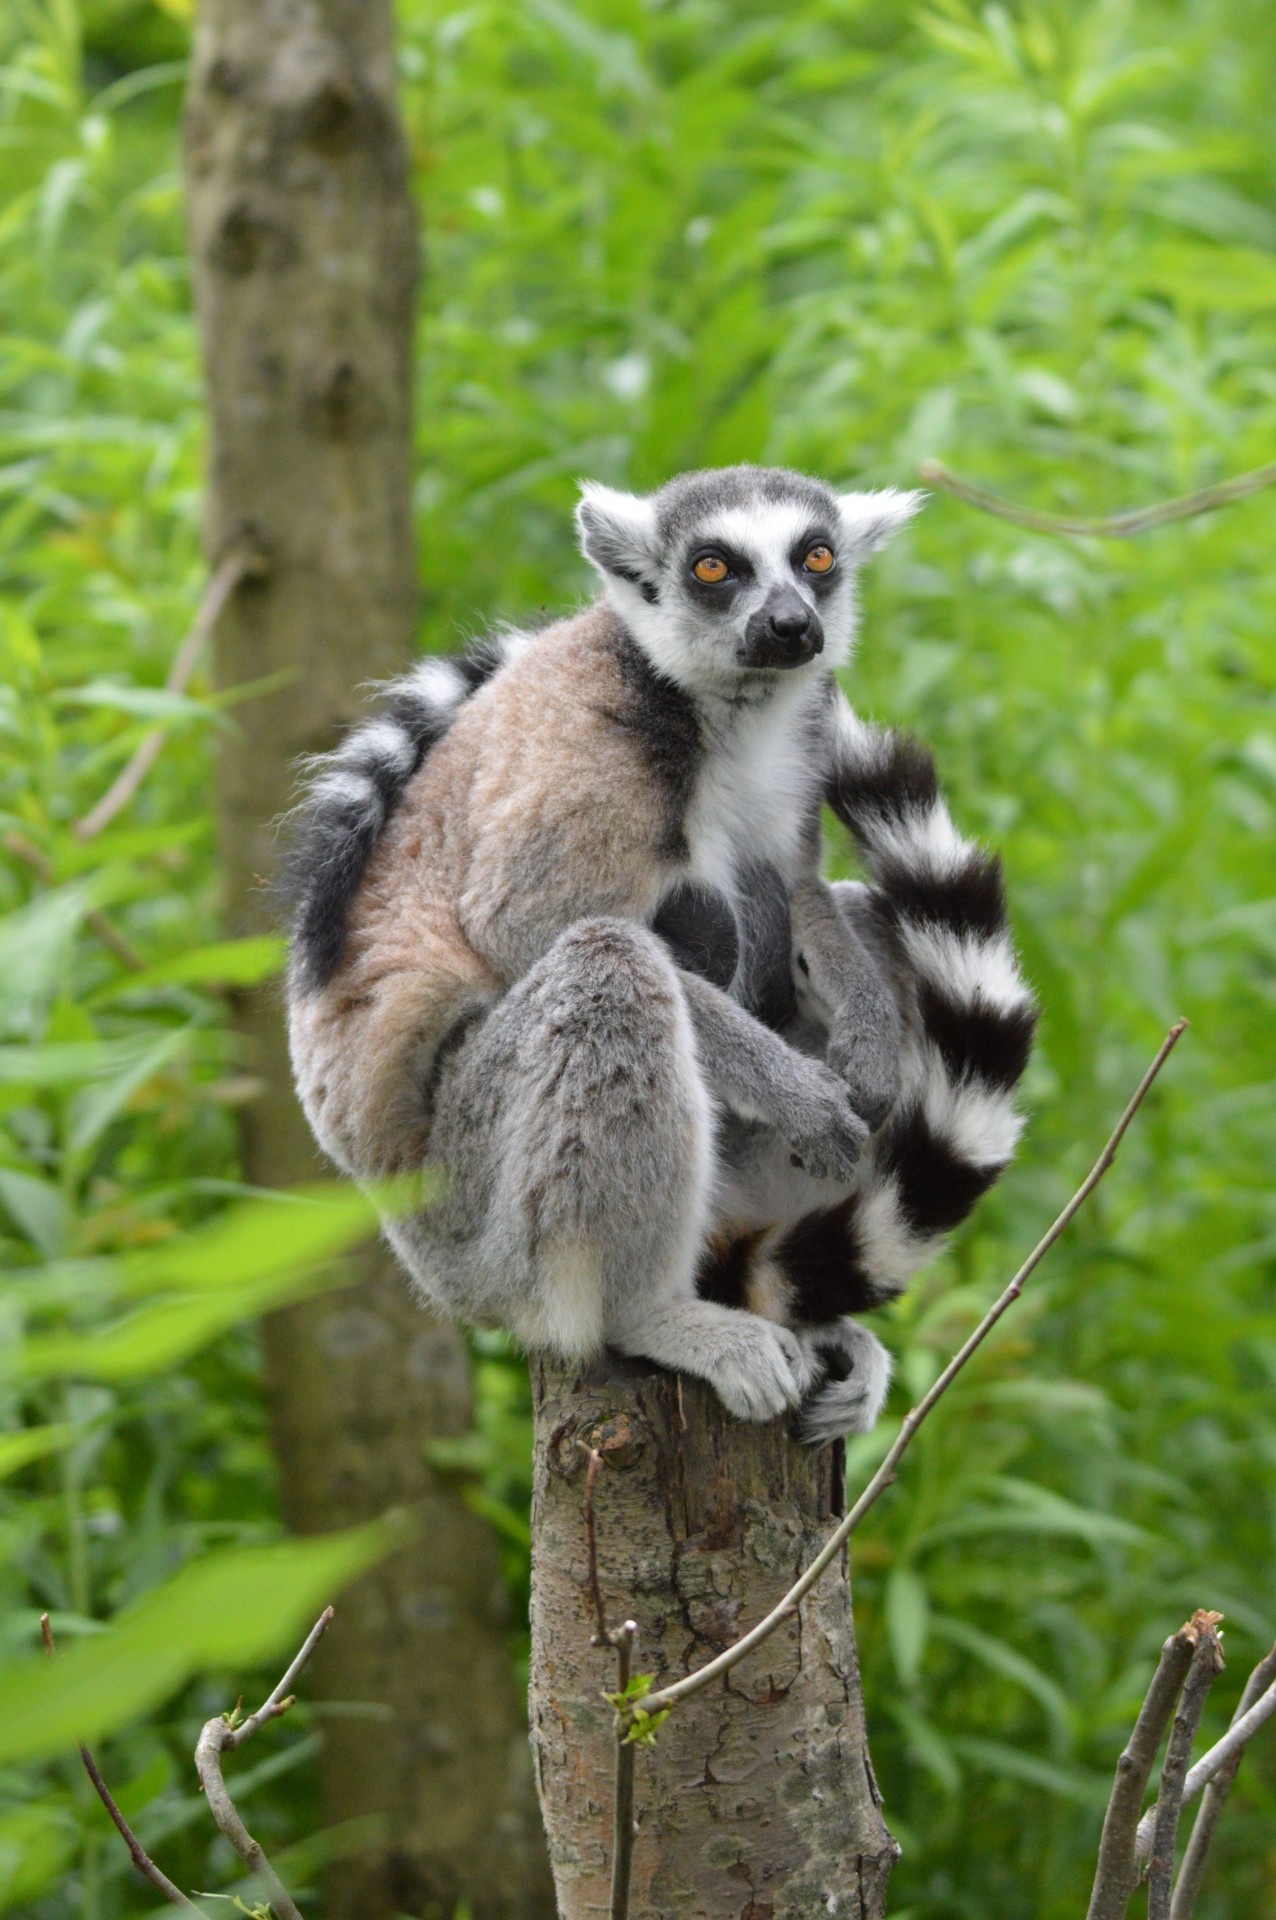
(782, 633)
(790, 625)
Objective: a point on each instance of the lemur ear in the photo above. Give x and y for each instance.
(617, 531)
(869, 520)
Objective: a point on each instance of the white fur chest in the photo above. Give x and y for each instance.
(753, 791)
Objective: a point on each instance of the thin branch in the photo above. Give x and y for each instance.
(704, 1676)
(280, 1699)
(236, 567)
(137, 1852)
(221, 1736)
(624, 1830)
(622, 1639)
(1116, 526)
(1117, 1874)
(110, 936)
(1220, 1755)
(1207, 1664)
(1214, 1799)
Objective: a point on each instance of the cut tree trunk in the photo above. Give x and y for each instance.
(757, 1801)
(303, 248)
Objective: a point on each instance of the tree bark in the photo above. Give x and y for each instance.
(303, 248)
(758, 1800)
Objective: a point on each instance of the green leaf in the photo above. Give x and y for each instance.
(907, 1621)
(37, 1845)
(227, 963)
(35, 943)
(39, 1207)
(93, 1110)
(17, 1450)
(1006, 1660)
(1218, 279)
(227, 1610)
(1090, 1790)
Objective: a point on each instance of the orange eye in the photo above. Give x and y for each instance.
(819, 559)
(711, 568)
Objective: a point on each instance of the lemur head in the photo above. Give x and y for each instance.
(737, 574)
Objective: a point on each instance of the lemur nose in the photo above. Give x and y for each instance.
(792, 624)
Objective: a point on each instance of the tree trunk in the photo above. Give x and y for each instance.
(758, 1800)
(303, 247)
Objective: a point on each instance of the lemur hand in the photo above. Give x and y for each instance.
(817, 1116)
(864, 1054)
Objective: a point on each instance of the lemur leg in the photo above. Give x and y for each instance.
(576, 1131)
(844, 986)
(761, 1077)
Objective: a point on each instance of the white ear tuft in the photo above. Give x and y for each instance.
(617, 530)
(869, 520)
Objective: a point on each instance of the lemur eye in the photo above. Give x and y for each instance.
(819, 558)
(711, 568)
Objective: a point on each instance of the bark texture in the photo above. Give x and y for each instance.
(303, 246)
(758, 1800)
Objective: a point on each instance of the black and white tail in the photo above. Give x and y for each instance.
(353, 791)
(954, 1128)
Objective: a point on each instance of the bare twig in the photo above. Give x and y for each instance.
(1207, 1663)
(624, 1830)
(110, 936)
(280, 1699)
(220, 1736)
(1220, 1755)
(237, 565)
(622, 1640)
(137, 1852)
(704, 1676)
(1116, 526)
(1214, 1799)
(1117, 1872)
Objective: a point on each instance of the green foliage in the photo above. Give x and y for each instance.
(1035, 240)
(643, 1726)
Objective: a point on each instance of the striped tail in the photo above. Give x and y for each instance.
(352, 794)
(954, 1128)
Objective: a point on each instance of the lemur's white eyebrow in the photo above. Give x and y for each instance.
(766, 531)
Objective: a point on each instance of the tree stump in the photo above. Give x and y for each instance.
(758, 1801)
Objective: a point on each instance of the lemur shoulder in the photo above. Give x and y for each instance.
(559, 929)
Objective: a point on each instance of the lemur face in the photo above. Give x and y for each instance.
(737, 574)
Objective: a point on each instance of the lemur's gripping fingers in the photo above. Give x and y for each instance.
(763, 1372)
(817, 1116)
(863, 1051)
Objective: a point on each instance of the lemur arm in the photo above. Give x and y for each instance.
(851, 993)
(760, 1076)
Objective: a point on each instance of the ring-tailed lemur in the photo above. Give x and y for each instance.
(558, 928)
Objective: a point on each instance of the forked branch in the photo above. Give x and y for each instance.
(1207, 1663)
(222, 1735)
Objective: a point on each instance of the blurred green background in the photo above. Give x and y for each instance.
(1037, 241)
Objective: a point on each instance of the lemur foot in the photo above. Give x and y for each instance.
(757, 1369)
(854, 1376)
